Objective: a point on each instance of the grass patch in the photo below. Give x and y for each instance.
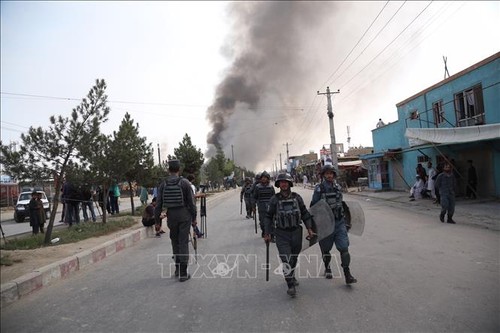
(71, 235)
(6, 260)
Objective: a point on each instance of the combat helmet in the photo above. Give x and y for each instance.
(257, 177)
(265, 174)
(328, 167)
(283, 176)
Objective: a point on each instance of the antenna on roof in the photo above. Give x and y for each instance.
(348, 137)
(446, 73)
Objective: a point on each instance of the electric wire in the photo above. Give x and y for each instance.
(359, 40)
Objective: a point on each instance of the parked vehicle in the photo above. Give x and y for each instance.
(22, 210)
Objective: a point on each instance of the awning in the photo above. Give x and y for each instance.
(370, 156)
(420, 136)
(351, 164)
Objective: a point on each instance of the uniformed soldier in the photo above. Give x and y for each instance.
(263, 192)
(331, 192)
(252, 192)
(285, 211)
(176, 196)
(245, 194)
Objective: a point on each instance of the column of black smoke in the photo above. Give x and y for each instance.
(272, 74)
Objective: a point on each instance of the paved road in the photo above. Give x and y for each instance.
(415, 275)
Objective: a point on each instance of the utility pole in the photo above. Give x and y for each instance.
(333, 145)
(232, 154)
(159, 159)
(287, 157)
(281, 165)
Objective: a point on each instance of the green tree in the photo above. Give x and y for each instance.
(191, 158)
(131, 154)
(214, 169)
(101, 167)
(52, 150)
(13, 163)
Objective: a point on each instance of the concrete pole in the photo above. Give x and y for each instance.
(333, 145)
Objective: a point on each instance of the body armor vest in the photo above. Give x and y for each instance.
(172, 194)
(334, 200)
(287, 214)
(248, 191)
(265, 193)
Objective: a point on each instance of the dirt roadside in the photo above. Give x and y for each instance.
(25, 261)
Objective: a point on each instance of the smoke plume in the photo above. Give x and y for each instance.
(261, 101)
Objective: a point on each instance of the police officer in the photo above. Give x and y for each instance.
(246, 193)
(263, 192)
(285, 211)
(331, 192)
(252, 192)
(176, 196)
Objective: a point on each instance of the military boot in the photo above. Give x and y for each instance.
(184, 276)
(441, 217)
(348, 277)
(328, 271)
(291, 289)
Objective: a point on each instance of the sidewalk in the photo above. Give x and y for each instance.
(484, 213)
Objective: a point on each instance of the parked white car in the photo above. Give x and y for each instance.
(22, 210)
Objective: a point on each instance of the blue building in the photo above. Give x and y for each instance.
(455, 120)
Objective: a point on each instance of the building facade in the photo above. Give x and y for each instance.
(455, 120)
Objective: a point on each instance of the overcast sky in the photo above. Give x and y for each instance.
(242, 74)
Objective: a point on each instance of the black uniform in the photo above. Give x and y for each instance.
(34, 211)
(283, 217)
(176, 196)
(246, 194)
(262, 194)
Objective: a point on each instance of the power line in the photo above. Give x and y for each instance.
(374, 58)
(372, 40)
(361, 38)
(316, 111)
(275, 107)
(397, 55)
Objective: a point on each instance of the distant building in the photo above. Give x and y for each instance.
(456, 119)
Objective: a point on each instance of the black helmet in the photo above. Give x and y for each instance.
(248, 179)
(283, 176)
(174, 165)
(257, 176)
(328, 167)
(265, 174)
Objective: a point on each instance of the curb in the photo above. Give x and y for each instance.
(31, 282)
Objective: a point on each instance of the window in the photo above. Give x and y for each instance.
(437, 109)
(469, 107)
(414, 114)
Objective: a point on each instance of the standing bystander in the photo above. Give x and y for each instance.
(471, 190)
(446, 183)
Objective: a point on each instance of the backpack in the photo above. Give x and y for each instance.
(173, 196)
